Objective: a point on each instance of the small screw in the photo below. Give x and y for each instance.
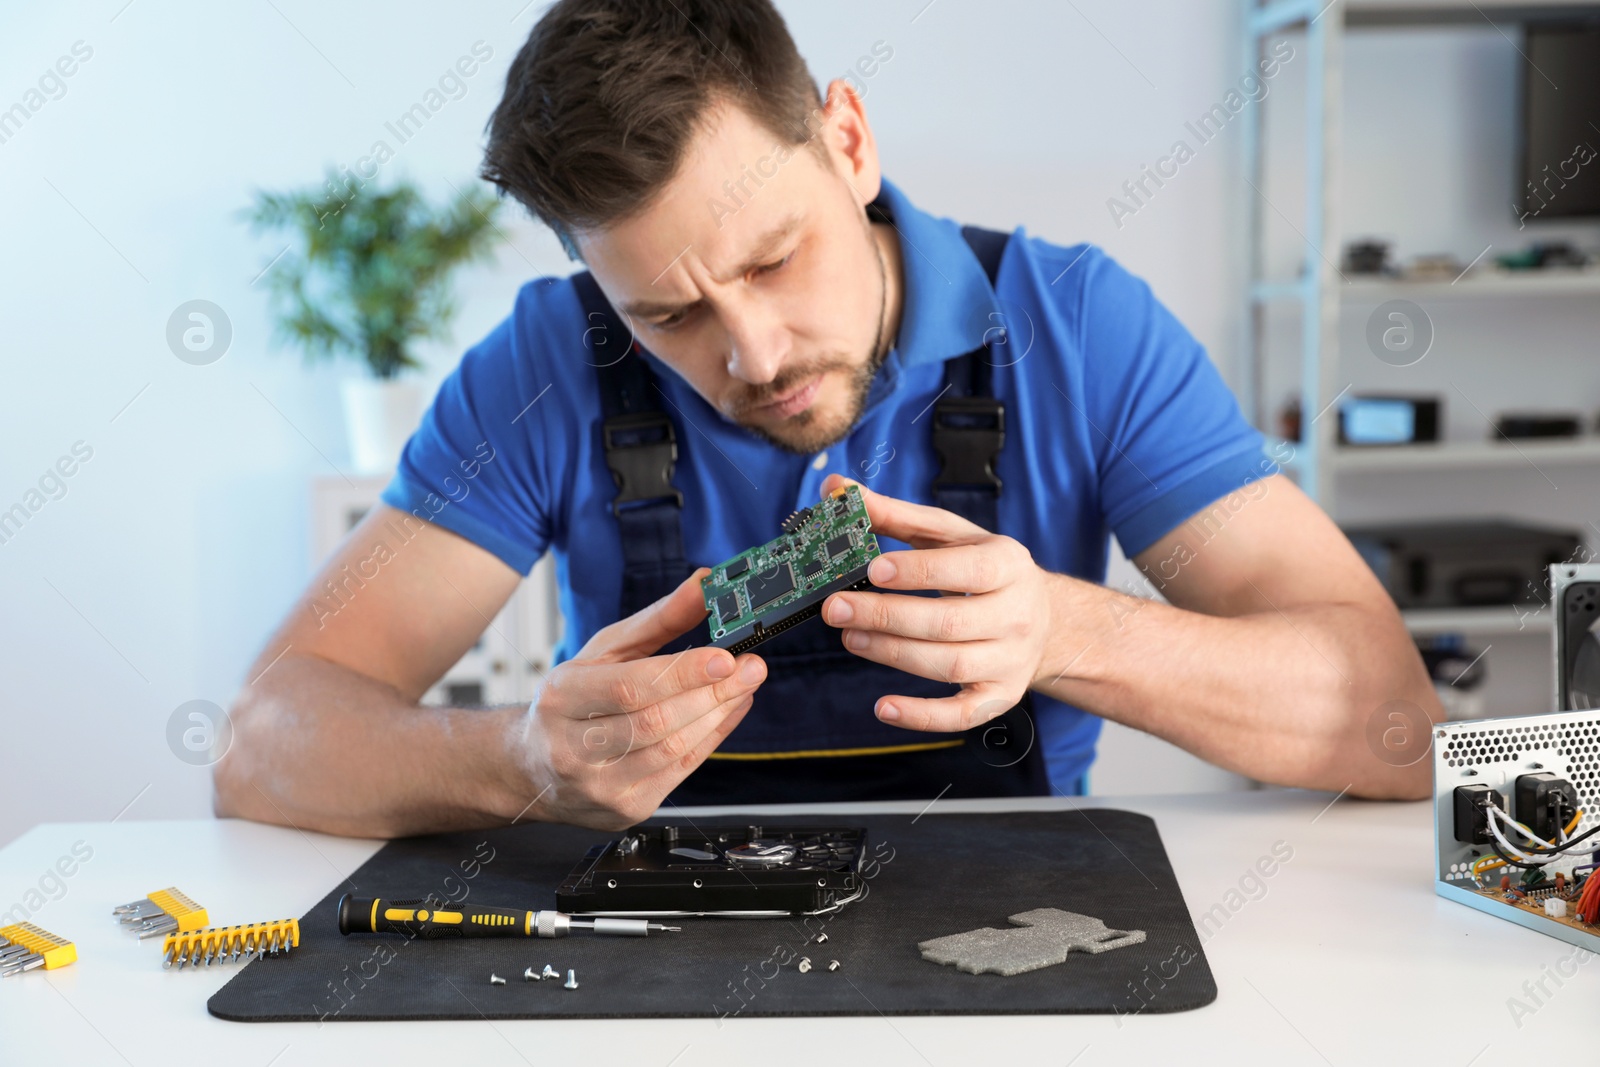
(530, 975)
(549, 972)
(822, 938)
(805, 964)
(572, 980)
(833, 965)
(495, 979)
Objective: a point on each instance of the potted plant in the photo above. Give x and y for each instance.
(369, 278)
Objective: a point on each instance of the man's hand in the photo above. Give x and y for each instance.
(614, 730)
(987, 633)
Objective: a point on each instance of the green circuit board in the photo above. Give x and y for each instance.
(768, 589)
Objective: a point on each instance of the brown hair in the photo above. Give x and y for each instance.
(604, 97)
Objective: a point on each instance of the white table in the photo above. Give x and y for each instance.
(1343, 956)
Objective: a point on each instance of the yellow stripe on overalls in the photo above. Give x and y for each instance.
(807, 753)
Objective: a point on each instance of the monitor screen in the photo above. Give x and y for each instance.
(1379, 421)
(1560, 164)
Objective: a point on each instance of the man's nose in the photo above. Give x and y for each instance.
(758, 344)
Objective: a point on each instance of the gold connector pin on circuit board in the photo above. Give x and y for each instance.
(225, 944)
(165, 911)
(24, 946)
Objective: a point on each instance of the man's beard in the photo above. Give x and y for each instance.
(805, 433)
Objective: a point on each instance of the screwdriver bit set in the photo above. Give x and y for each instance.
(189, 939)
(165, 911)
(24, 946)
(226, 944)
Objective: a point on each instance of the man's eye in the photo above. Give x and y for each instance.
(670, 321)
(768, 268)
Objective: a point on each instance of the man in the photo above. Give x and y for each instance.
(762, 315)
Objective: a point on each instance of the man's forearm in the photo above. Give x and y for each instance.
(321, 747)
(1282, 696)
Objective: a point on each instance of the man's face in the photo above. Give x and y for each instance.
(756, 277)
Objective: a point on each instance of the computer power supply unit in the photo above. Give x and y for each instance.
(1516, 815)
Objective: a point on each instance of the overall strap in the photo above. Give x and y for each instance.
(641, 449)
(969, 424)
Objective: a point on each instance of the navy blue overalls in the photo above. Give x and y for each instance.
(811, 734)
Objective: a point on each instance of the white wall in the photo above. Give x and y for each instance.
(155, 579)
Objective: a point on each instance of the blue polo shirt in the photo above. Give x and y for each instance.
(1117, 423)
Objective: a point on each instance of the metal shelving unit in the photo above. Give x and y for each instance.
(1479, 285)
(1467, 455)
(1319, 290)
(1504, 620)
(1322, 293)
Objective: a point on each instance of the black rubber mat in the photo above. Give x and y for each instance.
(934, 875)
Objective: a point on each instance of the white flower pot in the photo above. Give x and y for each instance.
(379, 417)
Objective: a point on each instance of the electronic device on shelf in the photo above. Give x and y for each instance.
(1521, 425)
(1575, 602)
(1434, 267)
(1464, 563)
(1388, 420)
(1558, 176)
(740, 871)
(1517, 817)
(1544, 255)
(1368, 255)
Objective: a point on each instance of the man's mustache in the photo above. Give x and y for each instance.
(759, 395)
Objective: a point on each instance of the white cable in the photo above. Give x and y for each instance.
(1518, 854)
(1511, 850)
(1529, 834)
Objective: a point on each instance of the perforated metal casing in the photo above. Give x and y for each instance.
(1494, 752)
(1576, 605)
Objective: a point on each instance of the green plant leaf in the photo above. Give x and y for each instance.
(371, 273)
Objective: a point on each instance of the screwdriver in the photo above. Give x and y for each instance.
(432, 919)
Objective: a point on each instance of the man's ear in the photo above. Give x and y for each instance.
(848, 138)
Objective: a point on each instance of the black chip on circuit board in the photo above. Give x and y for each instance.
(824, 548)
(765, 588)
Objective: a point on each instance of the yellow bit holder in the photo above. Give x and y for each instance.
(278, 935)
(190, 915)
(57, 951)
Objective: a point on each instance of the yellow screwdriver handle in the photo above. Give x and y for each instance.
(430, 919)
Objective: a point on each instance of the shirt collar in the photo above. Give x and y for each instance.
(947, 303)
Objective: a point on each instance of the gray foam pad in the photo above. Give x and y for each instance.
(1044, 938)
